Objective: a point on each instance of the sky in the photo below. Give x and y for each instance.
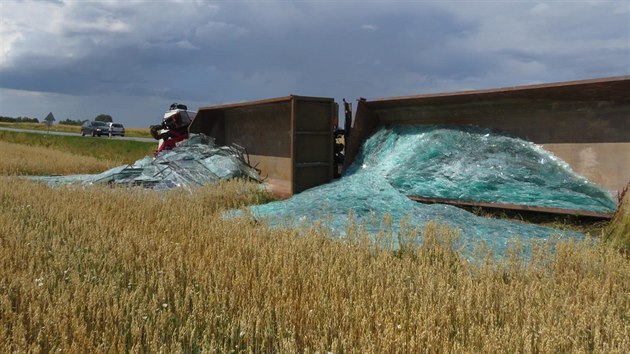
(132, 59)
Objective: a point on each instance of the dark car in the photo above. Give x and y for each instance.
(94, 128)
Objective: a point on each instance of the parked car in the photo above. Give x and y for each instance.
(116, 129)
(94, 128)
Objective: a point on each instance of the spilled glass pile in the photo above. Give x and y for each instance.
(464, 162)
(472, 163)
(194, 162)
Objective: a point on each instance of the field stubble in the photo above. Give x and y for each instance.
(116, 151)
(108, 269)
(37, 160)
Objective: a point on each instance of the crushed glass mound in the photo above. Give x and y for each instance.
(193, 162)
(477, 164)
(449, 162)
(367, 199)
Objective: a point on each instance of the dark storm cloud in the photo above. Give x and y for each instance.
(233, 51)
(335, 47)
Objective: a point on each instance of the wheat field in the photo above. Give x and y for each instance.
(18, 159)
(106, 269)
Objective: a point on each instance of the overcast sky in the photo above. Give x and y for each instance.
(132, 59)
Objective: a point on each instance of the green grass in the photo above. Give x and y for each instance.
(122, 151)
(131, 132)
(42, 126)
(618, 231)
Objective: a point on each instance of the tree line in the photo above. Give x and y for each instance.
(68, 121)
(18, 120)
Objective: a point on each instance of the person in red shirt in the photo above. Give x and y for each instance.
(173, 130)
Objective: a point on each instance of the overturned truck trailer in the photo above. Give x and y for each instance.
(585, 123)
(289, 139)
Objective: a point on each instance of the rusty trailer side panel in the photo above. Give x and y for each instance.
(586, 123)
(290, 139)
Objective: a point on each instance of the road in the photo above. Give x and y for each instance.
(77, 134)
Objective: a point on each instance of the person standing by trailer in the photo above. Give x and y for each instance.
(174, 128)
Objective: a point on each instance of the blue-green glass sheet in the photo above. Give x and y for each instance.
(193, 162)
(471, 163)
(450, 162)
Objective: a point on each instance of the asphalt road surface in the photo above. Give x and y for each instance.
(77, 134)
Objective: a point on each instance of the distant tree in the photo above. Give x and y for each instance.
(71, 122)
(103, 118)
